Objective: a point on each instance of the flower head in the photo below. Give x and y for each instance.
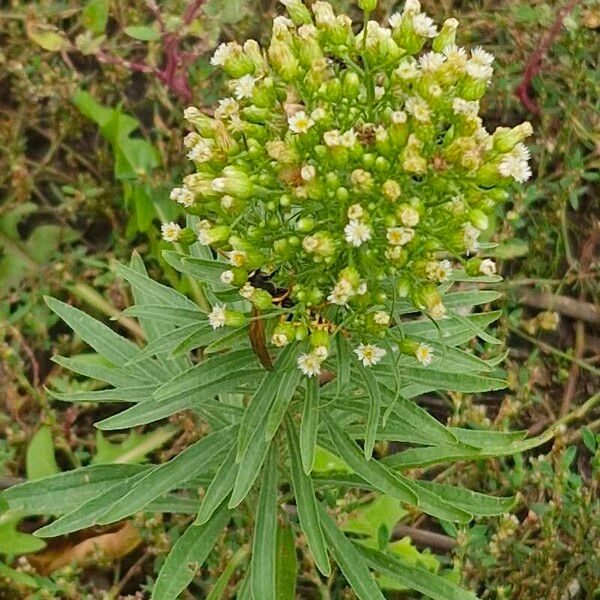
(170, 231)
(217, 317)
(369, 354)
(424, 354)
(299, 122)
(357, 233)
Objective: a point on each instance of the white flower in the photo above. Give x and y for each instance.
(318, 114)
(190, 113)
(218, 184)
(310, 243)
(227, 107)
(279, 339)
(310, 363)
(431, 61)
(183, 196)
(226, 277)
(321, 352)
(324, 14)
(521, 151)
(379, 92)
(424, 25)
(227, 202)
(357, 232)
(478, 71)
(307, 172)
(465, 107)
(418, 108)
(341, 292)
(395, 20)
(300, 122)
(455, 55)
(487, 267)
(409, 216)
(480, 56)
(470, 236)
(307, 32)
(202, 151)
(191, 139)
(369, 354)
(237, 258)
(355, 211)
(438, 311)
(399, 236)
(348, 138)
(361, 290)
(381, 318)
(222, 53)
(247, 290)
(424, 354)
(398, 117)
(170, 231)
(411, 6)
(407, 69)
(438, 270)
(514, 166)
(244, 87)
(216, 318)
(332, 138)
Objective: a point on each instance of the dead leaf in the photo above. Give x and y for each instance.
(112, 545)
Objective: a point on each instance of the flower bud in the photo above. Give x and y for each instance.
(233, 182)
(187, 237)
(367, 5)
(235, 276)
(446, 37)
(233, 318)
(318, 338)
(283, 61)
(505, 138)
(479, 219)
(299, 14)
(351, 84)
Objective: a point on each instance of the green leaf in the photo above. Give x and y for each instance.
(134, 448)
(95, 16)
(351, 563)
(67, 491)
(414, 578)
(40, 460)
(368, 519)
(108, 374)
(219, 487)
(169, 475)
(13, 541)
(187, 556)
(142, 33)
(456, 382)
(309, 424)
(265, 532)
(376, 473)
(472, 502)
(285, 393)
(306, 502)
(45, 37)
(220, 587)
(207, 271)
(589, 439)
(439, 507)
(374, 396)
(263, 398)
(133, 394)
(286, 567)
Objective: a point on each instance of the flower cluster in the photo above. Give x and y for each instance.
(349, 170)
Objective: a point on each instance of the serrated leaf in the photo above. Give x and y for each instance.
(187, 556)
(306, 502)
(265, 532)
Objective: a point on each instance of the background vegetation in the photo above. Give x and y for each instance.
(90, 145)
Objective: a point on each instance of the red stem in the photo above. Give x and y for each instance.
(534, 65)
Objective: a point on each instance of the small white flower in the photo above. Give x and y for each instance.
(411, 6)
(424, 25)
(308, 172)
(381, 318)
(279, 339)
(438, 270)
(398, 117)
(487, 267)
(227, 108)
(361, 290)
(318, 114)
(217, 316)
(515, 167)
(369, 354)
(465, 107)
(478, 71)
(357, 232)
(424, 354)
(341, 292)
(202, 151)
(183, 196)
(418, 108)
(348, 139)
(379, 92)
(300, 122)
(218, 184)
(310, 364)
(479, 55)
(247, 290)
(407, 69)
(170, 231)
(226, 277)
(324, 14)
(438, 311)
(190, 113)
(237, 258)
(355, 211)
(191, 139)
(244, 87)
(321, 352)
(521, 151)
(470, 236)
(332, 138)
(409, 216)
(431, 61)
(395, 20)
(227, 202)
(223, 52)
(310, 243)
(399, 236)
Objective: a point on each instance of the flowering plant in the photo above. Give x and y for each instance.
(343, 187)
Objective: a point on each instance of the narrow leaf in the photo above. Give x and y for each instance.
(309, 425)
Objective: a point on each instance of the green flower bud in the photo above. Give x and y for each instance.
(403, 287)
(479, 219)
(305, 224)
(261, 299)
(283, 61)
(233, 182)
(235, 276)
(367, 5)
(282, 248)
(446, 37)
(319, 337)
(283, 334)
(505, 138)
(187, 237)
(299, 14)
(351, 85)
